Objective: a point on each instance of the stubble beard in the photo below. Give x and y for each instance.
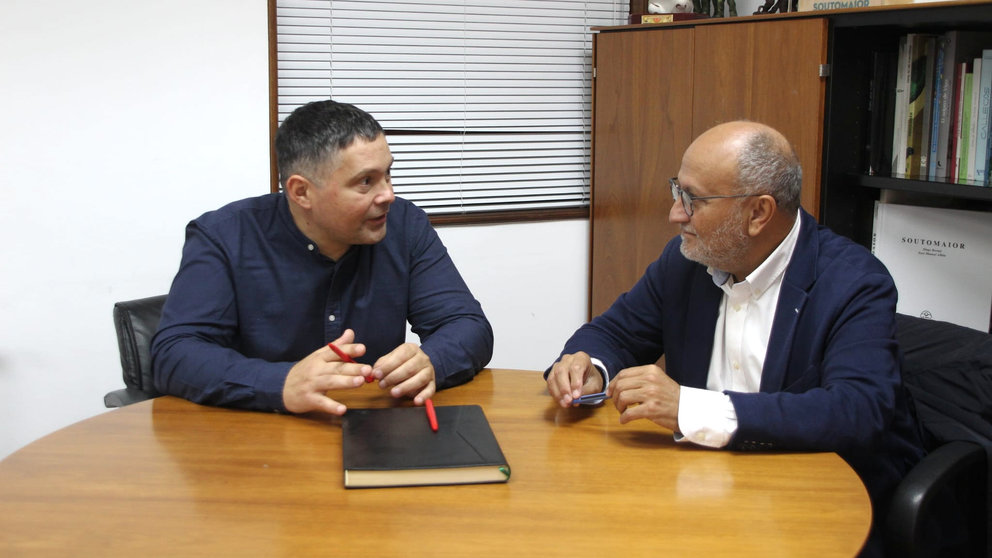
(724, 249)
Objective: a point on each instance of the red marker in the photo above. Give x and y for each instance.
(431, 415)
(344, 356)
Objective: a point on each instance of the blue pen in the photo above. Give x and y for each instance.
(591, 399)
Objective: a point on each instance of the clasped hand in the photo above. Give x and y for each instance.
(640, 392)
(405, 371)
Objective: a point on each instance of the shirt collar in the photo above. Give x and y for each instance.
(301, 240)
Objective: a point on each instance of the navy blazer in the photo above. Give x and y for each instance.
(831, 379)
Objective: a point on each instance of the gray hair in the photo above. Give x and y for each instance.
(768, 164)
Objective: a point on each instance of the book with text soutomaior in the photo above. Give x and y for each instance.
(939, 260)
(396, 447)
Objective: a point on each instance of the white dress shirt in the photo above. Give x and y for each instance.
(740, 341)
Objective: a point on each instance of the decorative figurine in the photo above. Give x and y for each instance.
(703, 7)
(777, 6)
(670, 6)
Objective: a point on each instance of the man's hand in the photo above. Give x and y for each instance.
(573, 376)
(406, 370)
(646, 392)
(321, 371)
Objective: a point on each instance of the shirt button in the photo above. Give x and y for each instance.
(737, 366)
(331, 318)
(310, 247)
(737, 308)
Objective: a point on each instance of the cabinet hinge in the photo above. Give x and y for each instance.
(594, 73)
(824, 70)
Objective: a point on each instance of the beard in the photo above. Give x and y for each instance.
(724, 248)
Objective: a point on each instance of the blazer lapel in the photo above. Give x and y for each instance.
(799, 276)
(703, 309)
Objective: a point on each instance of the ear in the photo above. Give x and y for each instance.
(298, 190)
(763, 209)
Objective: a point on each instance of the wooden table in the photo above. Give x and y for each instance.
(170, 478)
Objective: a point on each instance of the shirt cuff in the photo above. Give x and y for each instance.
(602, 370)
(706, 417)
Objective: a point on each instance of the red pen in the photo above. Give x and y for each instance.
(344, 356)
(431, 415)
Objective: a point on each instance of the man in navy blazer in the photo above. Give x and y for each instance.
(777, 333)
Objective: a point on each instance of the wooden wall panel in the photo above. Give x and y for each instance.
(641, 127)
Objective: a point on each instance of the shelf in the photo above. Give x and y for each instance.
(949, 189)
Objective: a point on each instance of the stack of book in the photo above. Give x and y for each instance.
(931, 98)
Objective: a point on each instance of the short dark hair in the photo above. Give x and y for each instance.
(315, 132)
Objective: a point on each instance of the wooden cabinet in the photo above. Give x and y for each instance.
(641, 125)
(656, 89)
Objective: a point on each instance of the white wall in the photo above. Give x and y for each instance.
(532, 282)
(122, 120)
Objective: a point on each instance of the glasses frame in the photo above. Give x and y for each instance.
(686, 198)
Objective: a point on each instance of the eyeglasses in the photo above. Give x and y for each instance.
(686, 198)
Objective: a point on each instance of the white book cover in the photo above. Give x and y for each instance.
(940, 260)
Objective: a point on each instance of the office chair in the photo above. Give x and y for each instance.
(941, 507)
(135, 322)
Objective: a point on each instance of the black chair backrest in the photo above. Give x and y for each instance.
(947, 370)
(136, 322)
(941, 508)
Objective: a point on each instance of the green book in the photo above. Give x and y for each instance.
(396, 447)
(963, 137)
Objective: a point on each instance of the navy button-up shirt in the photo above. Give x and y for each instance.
(253, 295)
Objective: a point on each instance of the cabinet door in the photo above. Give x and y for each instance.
(642, 101)
(766, 71)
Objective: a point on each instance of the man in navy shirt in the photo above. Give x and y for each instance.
(266, 283)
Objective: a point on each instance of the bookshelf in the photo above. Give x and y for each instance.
(848, 192)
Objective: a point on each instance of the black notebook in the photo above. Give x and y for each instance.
(396, 447)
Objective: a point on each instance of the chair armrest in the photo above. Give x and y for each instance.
(915, 496)
(125, 396)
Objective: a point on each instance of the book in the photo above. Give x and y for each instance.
(904, 76)
(817, 5)
(964, 136)
(396, 447)
(982, 118)
(988, 155)
(880, 106)
(959, 46)
(952, 150)
(918, 101)
(976, 73)
(664, 18)
(988, 160)
(939, 259)
(937, 114)
(926, 99)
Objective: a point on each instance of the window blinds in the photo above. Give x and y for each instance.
(486, 103)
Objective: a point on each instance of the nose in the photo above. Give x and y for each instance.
(386, 194)
(677, 213)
